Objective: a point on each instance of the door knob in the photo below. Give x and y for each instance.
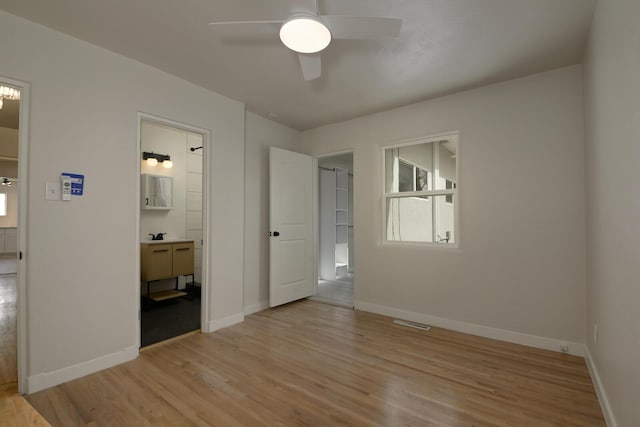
(276, 233)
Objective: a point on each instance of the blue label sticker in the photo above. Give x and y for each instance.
(77, 183)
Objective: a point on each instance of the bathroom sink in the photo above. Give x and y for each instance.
(151, 242)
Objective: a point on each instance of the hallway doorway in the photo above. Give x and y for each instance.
(12, 142)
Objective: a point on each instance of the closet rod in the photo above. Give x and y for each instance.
(331, 170)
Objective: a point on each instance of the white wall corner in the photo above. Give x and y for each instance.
(254, 308)
(602, 395)
(576, 349)
(214, 325)
(44, 380)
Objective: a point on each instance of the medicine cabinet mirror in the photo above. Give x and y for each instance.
(157, 192)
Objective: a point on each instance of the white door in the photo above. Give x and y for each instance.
(291, 218)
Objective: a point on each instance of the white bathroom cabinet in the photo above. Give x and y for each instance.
(8, 240)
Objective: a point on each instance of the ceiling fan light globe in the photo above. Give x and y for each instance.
(305, 35)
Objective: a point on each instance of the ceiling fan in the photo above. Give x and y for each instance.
(307, 33)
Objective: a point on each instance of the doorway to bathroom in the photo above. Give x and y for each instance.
(336, 266)
(172, 194)
(14, 98)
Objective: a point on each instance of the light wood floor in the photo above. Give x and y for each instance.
(8, 332)
(311, 364)
(15, 411)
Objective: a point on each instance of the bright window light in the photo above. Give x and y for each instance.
(3, 204)
(420, 191)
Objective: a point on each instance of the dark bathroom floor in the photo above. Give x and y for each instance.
(167, 319)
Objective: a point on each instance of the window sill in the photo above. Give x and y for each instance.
(455, 247)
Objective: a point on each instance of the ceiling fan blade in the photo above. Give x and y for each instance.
(362, 27)
(311, 65)
(246, 28)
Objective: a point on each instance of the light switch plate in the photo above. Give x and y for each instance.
(52, 191)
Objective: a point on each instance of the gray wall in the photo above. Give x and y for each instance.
(521, 262)
(261, 133)
(84, 102)
(612, 89)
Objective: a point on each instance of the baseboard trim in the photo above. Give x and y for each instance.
(602, 394)
(45, 380)
(254, 308)
(576, 349)
(214, 325)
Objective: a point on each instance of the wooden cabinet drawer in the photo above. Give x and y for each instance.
(156, 262)
(183, 260)
(166, 260)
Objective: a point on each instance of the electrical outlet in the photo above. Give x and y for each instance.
(595, 334)
(564, 348)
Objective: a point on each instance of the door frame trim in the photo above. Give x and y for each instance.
(206, 209)
(23, 193)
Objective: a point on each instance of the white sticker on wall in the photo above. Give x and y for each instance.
(52, 191)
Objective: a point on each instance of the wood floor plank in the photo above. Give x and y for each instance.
(15, 411)
(8, 331)
(311, 364)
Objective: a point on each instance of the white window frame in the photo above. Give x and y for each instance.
(435, 175)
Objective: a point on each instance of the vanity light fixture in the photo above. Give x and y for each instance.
(153, 159)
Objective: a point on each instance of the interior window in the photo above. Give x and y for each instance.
(427, 169)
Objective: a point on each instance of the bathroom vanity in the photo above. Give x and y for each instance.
(166, 259)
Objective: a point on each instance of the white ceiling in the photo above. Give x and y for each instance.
(444, 46)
